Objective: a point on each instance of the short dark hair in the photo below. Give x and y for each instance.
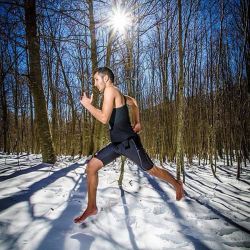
(106, 71)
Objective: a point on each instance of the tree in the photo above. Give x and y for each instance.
(35, 82)
(180, 102)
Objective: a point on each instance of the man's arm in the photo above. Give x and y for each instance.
(135, 113)
(104, 114)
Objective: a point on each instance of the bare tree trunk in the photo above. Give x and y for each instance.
(95, 126)
(4, 112)
(36, 83)
(54, 99)
(180, 119)
(109, 48)
(31, 123)
(16, 101)
(123, 159)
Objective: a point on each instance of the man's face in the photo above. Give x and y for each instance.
(99, 82)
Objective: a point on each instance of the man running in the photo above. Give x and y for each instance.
(124, 138)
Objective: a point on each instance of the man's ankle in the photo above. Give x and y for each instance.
(91, 208)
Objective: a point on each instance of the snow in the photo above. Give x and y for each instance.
(38, 203)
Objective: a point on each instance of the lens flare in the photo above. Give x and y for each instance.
(120, 20)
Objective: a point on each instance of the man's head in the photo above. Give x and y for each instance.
(102, 76)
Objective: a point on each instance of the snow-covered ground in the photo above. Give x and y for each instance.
(38, 203)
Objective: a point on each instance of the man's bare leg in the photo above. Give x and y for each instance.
(166, 176)
(92, 182)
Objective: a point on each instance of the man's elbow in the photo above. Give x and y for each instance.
(104, 120)
(134, 104)
(131, 101)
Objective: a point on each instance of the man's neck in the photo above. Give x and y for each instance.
(109, 84)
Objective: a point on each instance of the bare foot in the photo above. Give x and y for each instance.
(88, 212)
(179, 191)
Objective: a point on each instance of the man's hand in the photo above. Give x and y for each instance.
(85, 101)
(137, 128)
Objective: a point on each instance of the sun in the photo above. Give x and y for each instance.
(120, 20)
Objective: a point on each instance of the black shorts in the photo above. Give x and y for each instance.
(130, 148)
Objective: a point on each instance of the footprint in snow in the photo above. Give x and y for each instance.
(175, 240)
(130, 220)
(159, 210)
(226, 231)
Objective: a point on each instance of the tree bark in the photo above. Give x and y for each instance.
(180, 118)
(35, 83)
(95, 126)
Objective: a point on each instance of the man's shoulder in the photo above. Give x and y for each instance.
(111, 91)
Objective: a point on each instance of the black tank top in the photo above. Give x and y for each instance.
(119, 124)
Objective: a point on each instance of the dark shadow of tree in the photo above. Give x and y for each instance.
(24, 171)
(198, 244)
(54, 239)
(21, 196)
(10, 239)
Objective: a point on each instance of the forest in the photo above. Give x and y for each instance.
(185, 62)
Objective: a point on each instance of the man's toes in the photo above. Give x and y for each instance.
(77, 219)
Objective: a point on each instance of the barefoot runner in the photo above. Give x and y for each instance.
(124, 138)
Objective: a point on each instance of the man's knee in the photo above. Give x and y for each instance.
(93, 166)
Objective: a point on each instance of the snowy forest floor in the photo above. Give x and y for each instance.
(38, 203)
